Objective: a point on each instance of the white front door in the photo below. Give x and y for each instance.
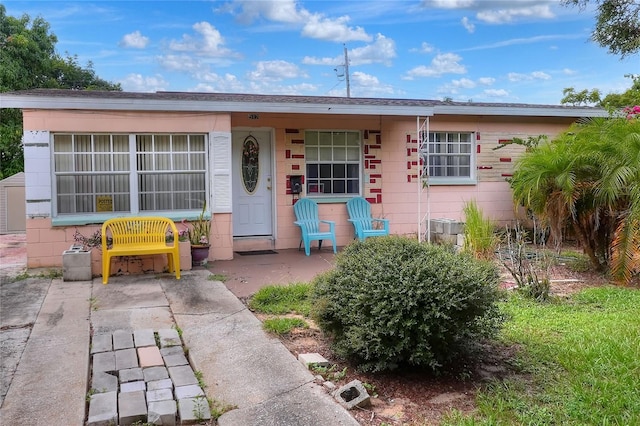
(252, 183)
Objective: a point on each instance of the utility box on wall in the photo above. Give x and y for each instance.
(76, 264)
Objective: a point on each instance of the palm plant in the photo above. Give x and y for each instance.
(589, 178)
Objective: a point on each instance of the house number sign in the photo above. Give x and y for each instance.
(250, 164)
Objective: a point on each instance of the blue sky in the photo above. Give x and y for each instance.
(522, 51)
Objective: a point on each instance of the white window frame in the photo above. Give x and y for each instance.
(316, 154)
(442, 160)
(171, 167)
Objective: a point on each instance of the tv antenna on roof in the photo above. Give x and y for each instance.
(343, 71)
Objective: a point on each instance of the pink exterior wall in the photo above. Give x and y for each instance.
(45, 243)
(390, 168)
(397, 185)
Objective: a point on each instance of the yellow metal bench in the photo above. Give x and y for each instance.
(133, 236)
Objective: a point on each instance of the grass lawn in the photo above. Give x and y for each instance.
(579, 363)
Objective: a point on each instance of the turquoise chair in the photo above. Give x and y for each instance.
(364, 225)
(306, 211)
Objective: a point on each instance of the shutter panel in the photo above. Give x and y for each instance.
(221, 171)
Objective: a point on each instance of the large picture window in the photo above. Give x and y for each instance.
(448, 156)
(101, 173)
(332, 163)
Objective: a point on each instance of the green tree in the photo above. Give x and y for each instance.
(611, 101)
(588, 179)
(617, 24)
(29, 61)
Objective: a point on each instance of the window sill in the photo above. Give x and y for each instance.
(99, 219)
(331, 200)
(439, 182)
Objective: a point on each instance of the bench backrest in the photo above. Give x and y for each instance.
(137, 230)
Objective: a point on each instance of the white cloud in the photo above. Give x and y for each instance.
(535, 75)
(496, 93)
(139, 83)
(486, 81)
(209, 42)
(134, 40)
(314, 25)
(569, 71)
(444, 63)
(424, 48)
(539, 75)
(468, 25)
(275, 71)
(510, 14)
(285, 11)
(498, 11)
(449, 4)
(382, 51)
(322, 28)
(464, 83)
(179, 63)
(518, 41)
(367, 85)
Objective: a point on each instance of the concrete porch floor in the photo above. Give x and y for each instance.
(245, 274)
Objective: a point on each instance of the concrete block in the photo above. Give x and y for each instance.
(133, 386)
(103, 409)
(352, 395)
(313, 359)
(155, 373)
(188, 391)
(162, 413)
(102, 382)
(169, 337)
(192, 410)
(76, 264)
(122, 340)
(182, 375)
(159, 395)
(144, 338)
(130, 375)
(460, 240)
(132, 408)
(175, 359)
(126, 358)
(104, 361)
(172, 350)
(330, 386)
(159, 384)
(101, 343)
(150, 357)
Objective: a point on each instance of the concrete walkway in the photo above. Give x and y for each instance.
(241, 365)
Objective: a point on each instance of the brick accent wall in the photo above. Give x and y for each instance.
(294, 162)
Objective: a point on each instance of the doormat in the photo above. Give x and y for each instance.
(251, 253)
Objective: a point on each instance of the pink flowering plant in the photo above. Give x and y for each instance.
(632, 111)
(183, 232)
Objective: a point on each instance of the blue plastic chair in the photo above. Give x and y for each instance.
(306, 211)
(364, 225)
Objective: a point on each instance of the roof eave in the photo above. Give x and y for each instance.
(55, 102)
(529, 111)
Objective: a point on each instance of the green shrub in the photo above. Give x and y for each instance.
(392, 301)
